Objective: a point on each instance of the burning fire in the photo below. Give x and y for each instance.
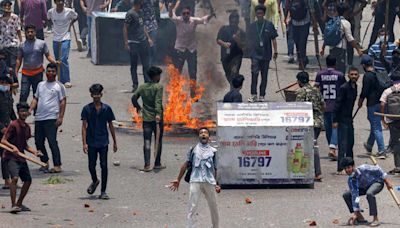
(178, 108)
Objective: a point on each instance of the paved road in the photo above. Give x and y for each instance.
(142, 199)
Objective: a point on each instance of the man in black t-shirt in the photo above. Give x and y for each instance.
(262, 38)
(137, 41)
(231, 39)
(234, 96)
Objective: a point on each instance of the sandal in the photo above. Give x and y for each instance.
(159, 167)
(146, 169)
(374, 224)
(55, 170)
(24, 208)
(92, 187)
(15, 210)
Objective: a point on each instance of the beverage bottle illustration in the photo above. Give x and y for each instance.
(297, 158)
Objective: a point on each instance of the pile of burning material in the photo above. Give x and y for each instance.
(178, 116)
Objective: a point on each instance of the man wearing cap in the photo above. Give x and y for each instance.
(370, 91)
(364, 180)
(308, 93)
(10, 30)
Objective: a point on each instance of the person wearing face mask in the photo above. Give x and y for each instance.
(6, 115)
(49, 102)
(231, 39)
(376, 50)
(392, 67)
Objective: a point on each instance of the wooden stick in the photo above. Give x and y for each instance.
(24, 156)
(78, 41)
(386, 115)
(391, 191)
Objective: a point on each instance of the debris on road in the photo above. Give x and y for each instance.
(56, 180)
(313, 223)
(86, 205)
(335, 221)
(248, 200)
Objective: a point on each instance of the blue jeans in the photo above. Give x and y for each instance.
(63, 56)
(289, 39)
(89, 24)
(376, 128)
(26, 83)
(330, 133)
(153, 49)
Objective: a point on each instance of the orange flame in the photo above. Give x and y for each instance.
(178, 108)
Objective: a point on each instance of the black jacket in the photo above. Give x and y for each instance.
(343, 111)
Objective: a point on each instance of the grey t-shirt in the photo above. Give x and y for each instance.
(49, 96)
(134, 21)
(32, 53)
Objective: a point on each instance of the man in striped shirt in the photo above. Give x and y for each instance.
(375, 51)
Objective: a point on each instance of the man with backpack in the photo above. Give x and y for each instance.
(390, 101)
(372, 90)
(337, 35)
(299, 15)
(201, 172)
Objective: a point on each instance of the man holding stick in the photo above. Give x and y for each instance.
(16, 137)
(364, 180)
(152, 112)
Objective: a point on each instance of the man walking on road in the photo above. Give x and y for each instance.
(262, 38)
(152, 112)
(137, 41)
(31, 54)
(329, 82)
(49, 102)
(201, 159)
(95, 118)
(62, 19)
(364, 180)
(231, 38)
(370, 91)
(343, 117)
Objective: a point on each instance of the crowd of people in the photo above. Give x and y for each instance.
(333, 97)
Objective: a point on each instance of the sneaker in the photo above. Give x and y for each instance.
(104, 196)
(381, 155)
(68, 85)
(92, 187)
(367, 148)
(146, 169)
(44, 169)
(261, 99)
(252, 99)
(15, 210)
(56, 169)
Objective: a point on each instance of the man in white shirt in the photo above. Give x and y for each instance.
(49, 102)
(62, 18)
(339, 51)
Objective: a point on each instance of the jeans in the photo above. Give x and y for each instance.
(300, 36)
(373, 190)
(232, 68)
(376, 128)
(330, 133)
(153, 49)
(259, 65)
(148, 129)
(63, 56)
(289, 39)
(47, 129)
(137, 50)
(26, 83)
(345, 141)
(92, 154)
(208, 190)
(89, 27)
(394, 143)
(191, 58)
(40, 34)
(340, 55)
(82, 20)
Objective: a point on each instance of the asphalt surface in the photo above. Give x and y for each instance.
(143, 200)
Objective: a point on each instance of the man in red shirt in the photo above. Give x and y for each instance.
(16, 137)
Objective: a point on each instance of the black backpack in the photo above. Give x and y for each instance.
(298, 10)
(384, 81)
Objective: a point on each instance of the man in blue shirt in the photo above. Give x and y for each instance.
(364, 180)
(95, 117)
